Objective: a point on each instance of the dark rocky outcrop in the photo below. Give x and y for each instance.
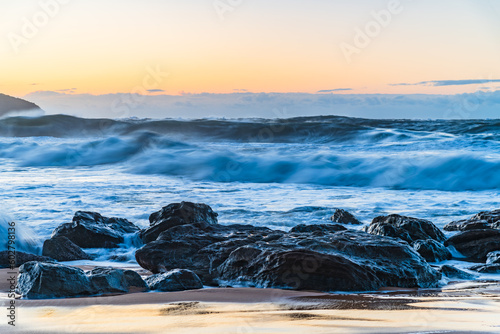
(201, 247)
(298, 269)
(452, 272)
(174, 280)
(405, 228)
(39, 280)
(343, 217)
(304, 228)
(177, 214)
(482, 220)
(106, 280)
(475, 244)
(242, 253)
(91, 230)
(20, 258)
(493, 258)
(487, 268)
(63, 249)
(431, 250)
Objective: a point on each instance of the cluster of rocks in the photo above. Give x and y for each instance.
(52, 280)
(185, 248)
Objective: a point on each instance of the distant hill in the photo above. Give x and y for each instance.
(9, 104)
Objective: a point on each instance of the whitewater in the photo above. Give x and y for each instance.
(266, 172)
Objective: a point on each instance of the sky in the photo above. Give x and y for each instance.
(90, 48)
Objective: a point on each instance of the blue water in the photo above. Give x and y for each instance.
(275, 173)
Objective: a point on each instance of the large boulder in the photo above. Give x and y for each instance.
(174, 280)
(39, 280)
(482, 220)
(475, 244)
(408, 229)
(343, 217)
(298, 269)
(19, 258)
(177, 214)
(63, 249)
(106, 280)
(431, 250)
(340, 261)
(91, 230)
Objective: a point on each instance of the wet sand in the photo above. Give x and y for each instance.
(472, 307)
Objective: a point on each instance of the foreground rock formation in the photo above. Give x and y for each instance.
(39, 280)
(323, 257)
(91, 230)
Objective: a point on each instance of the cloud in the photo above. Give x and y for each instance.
(240, 90)
(156, 90)
(449, 82)
(482, 104)
(333, 90)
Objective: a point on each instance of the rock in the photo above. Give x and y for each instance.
(106, 280)
(38, 280)
(466, 225)
(63, 249)
(298, 269)
(475, 244)
(431, 250)
(482, 220)
(452, 272)
(174, 280)
(406, 228)
(487, 269)
(303, 228)
(387, 230)
(20, 258)
(91, 230)
(200, 247)
(177, 214)
(391, 262)
(218, 254)
(343, 217)
(493, 258)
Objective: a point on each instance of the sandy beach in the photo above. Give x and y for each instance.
(458, 308)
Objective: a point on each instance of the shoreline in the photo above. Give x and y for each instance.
(461, 307)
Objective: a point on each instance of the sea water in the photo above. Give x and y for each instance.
(275, 173)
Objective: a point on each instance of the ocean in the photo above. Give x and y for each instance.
(268, 172)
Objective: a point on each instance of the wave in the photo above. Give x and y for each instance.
(319, 129)
(452, 168)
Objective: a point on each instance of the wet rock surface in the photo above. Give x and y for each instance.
(452, 272)
(177, 214)
(481, 220)
(174, 280)
(106, 280)
(475, 244)
(63, 249)
(431, 250)
(91, 230)
(344, 260)
(343, 217)
(40, 280)
(405, 228)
